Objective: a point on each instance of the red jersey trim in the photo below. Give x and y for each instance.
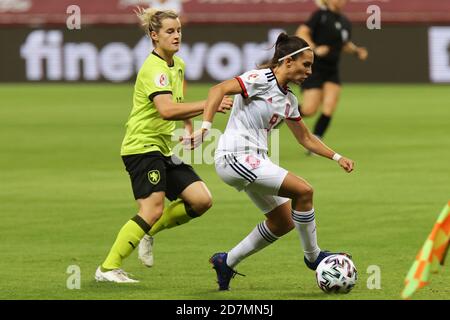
(295, 119)
(245, 93)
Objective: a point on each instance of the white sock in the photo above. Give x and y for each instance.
(259, 238)
(305, 223)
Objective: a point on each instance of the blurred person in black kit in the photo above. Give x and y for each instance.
(328, 32)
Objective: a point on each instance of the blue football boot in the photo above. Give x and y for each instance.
(322, 255)
(223, 271)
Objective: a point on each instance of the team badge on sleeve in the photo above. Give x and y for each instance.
(161, 80)
(252, 77)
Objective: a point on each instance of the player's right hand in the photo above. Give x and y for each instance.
(225, 105)
(346, 164)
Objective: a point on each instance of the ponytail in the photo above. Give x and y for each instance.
(285, 46)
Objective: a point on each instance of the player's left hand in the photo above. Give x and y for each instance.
(225, 105)
(346, 164)
(362, 53)
(194, 140)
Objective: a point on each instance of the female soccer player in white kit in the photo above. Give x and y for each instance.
(262, 101)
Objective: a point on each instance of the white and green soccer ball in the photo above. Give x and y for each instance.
(336, 274)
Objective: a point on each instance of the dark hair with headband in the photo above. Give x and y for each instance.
(285, 47)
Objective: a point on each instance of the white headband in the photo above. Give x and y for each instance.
(294, 53)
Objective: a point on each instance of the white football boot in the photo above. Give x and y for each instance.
(116, 275)
(146, 250)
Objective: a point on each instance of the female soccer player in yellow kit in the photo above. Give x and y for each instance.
(154, 171)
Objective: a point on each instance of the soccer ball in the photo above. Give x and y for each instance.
(336, 274)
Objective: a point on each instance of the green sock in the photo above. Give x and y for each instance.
(177, 213)
(127, 240)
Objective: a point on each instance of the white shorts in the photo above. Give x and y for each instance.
(256, 174)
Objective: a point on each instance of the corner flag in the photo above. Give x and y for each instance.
(431, 255)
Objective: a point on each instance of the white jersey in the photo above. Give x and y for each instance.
(261, 107)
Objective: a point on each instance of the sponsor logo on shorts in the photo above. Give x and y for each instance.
(154, 176)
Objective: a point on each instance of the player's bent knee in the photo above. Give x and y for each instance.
(306, 193)
(328, 110)
(308, 112)
(202, 205)
(150, 216)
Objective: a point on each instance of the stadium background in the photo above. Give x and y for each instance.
(64, 98)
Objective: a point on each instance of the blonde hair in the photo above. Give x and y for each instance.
(321, 3)
(151, 19)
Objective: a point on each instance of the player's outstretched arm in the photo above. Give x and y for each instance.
(170, 110)
(217, 101)
(216, 95)
(313, 144)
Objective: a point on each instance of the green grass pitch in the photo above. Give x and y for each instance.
(64, 194)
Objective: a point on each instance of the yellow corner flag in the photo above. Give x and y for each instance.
(431, 254)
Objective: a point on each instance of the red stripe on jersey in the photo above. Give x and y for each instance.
(242, 87)
(295, 119)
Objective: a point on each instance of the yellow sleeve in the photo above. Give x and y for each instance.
(155, 80)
